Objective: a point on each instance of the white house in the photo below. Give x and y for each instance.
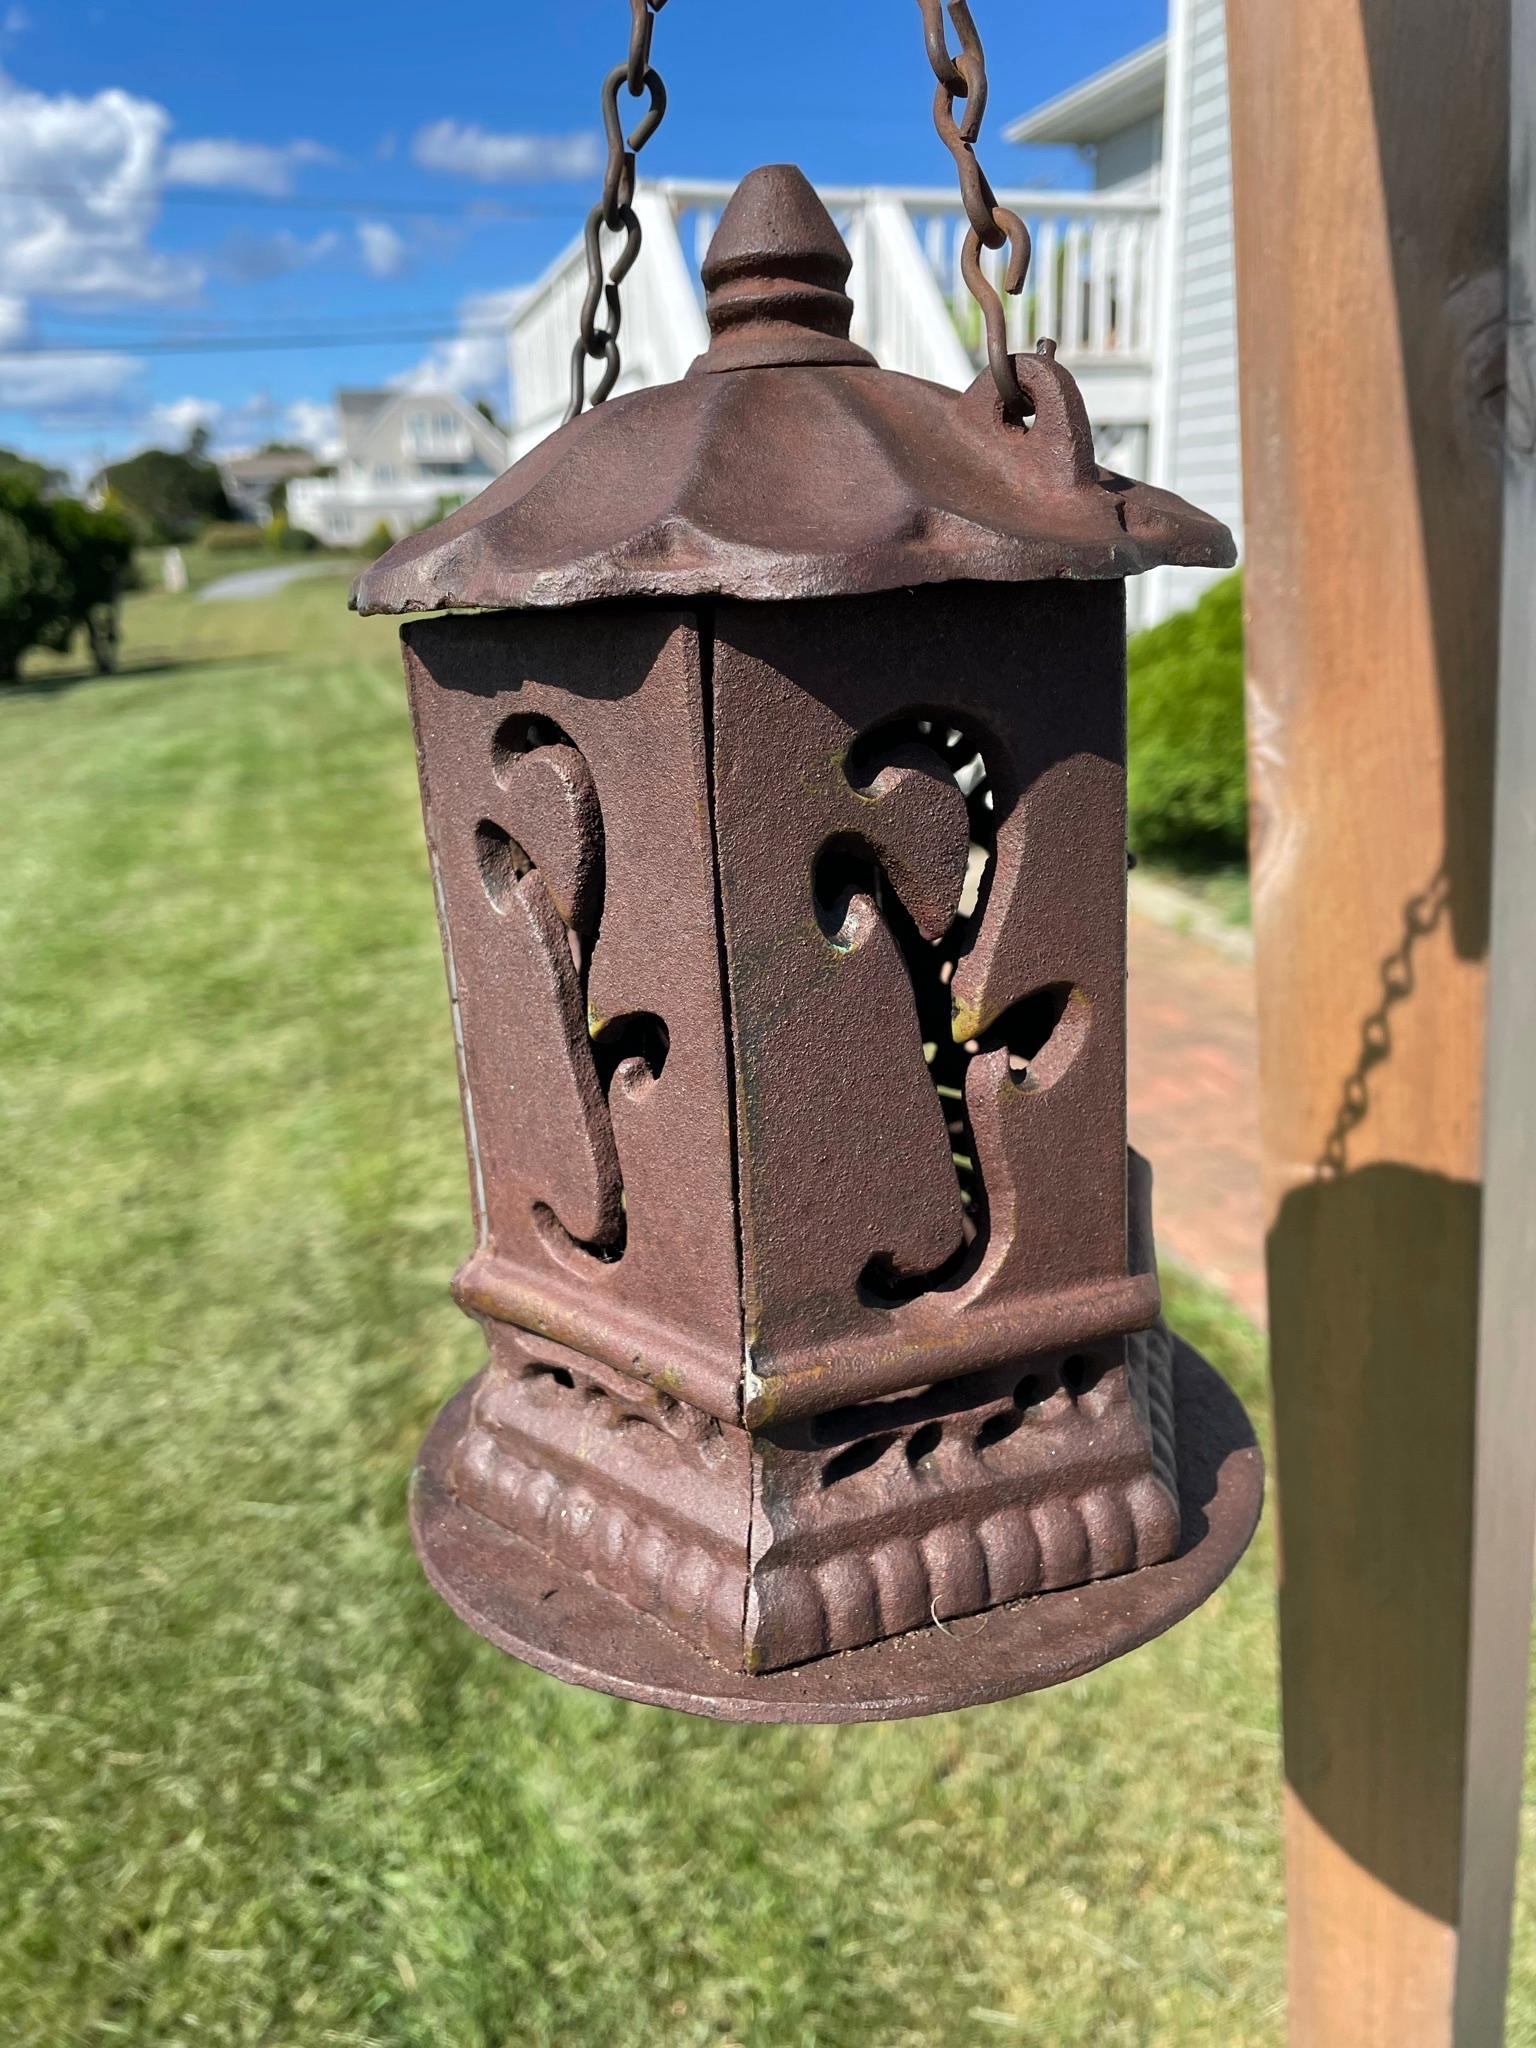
(1133, 278)
(407, 457)
(250, 481)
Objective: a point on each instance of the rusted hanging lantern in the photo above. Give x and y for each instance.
(776, 804)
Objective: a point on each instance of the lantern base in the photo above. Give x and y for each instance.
(554, 1618)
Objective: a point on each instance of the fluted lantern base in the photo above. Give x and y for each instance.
(560, 1621)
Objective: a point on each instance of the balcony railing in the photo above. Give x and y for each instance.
(1092, 271)
(1092, 287)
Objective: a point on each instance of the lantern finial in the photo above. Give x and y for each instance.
(775, 274)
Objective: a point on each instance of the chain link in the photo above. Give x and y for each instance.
(615, 211)
(960, 77)
(964, 77)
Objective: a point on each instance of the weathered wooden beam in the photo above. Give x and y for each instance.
(1371, 156)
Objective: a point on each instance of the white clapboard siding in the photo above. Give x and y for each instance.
(1198, 450)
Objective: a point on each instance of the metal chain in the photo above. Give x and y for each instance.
(964, 77)
(615, 211)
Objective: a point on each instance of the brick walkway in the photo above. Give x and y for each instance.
(1194, 1104)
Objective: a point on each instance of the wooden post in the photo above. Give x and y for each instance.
(1370, 160)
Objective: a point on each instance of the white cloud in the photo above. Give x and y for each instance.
(225, 165)
(383, 251)
(475, 359)
(467, 150)
(79, 186)
(66, 386)
(314, 424)
(176, 421)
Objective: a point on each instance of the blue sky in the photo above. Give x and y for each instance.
(388, 175)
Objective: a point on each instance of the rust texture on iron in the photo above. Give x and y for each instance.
(786, 945)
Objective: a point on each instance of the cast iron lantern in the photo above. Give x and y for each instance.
(775, 798)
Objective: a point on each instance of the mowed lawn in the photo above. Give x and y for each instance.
(257, 1785)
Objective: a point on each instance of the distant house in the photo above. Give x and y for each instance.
(250, 480)
(1133, 278)
(406, 457)
(1158, 123)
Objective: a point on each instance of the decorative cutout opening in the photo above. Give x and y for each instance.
(560, 1374)
(520, 734)
(501, 861)
(998, 1428)
(857, 1457)
(922, 1444)
(931, 968)
(846, 891)
(1043, 1034)
(628, 1053)
(1079, 1376)
(896, 1412)
(631, 1050)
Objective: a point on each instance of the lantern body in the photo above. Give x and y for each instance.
(776, 805)
(759, 920)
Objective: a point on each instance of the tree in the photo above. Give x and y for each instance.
(62, 566)
(46, 480)
(34, 578)
(98, 552)
(487, 412)
(170, 497)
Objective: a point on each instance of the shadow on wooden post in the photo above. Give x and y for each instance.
(1376, 1518)
(1371, 155)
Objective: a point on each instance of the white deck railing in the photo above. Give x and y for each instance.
(1092, 287)
(1092, 274)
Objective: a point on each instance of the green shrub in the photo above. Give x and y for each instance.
(231, 537)
(377, 542)
(62, 566)
(1188, 793)
(284, 539)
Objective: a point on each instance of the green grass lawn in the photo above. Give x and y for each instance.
(257, 1785)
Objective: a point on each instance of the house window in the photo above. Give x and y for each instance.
(385, 473)
(442, 434)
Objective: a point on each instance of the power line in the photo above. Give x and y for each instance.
(212, 326)
(244, 344)
(473, 209)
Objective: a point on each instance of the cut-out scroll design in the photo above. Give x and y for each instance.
(541, 864)
(902, 868)
(1026, 1048)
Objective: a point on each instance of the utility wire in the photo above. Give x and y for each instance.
(173, 195)
(373, 337)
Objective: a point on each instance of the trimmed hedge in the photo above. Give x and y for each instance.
(231, 537)
(1188, 794)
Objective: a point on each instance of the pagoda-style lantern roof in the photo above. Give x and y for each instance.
(840, 479)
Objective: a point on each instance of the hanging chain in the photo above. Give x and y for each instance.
(991, 226)
(615, 211)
